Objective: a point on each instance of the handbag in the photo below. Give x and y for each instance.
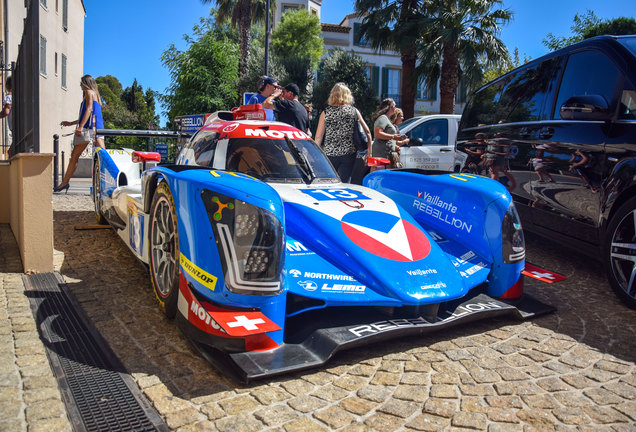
(86, 137)
(394, 157)
(360, 140)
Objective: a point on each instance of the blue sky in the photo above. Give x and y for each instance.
(126, 38)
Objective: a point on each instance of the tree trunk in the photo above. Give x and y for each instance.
(409, 58)
(448, 80)
(244, 29)
(408, 85)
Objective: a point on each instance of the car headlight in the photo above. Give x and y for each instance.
(250, 241)
(514, 245)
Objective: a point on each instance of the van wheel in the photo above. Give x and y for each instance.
(619, 252)
(164, 250)
(97, 200)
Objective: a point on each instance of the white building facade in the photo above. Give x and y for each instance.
(60, 60)
(384, 69)
(313, 6)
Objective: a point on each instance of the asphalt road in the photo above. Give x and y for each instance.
(571, 370)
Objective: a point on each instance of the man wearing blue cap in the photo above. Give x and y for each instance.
(266, 87)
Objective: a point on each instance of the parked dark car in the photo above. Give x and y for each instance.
(560, 131)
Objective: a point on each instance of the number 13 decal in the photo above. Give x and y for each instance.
(334, 194)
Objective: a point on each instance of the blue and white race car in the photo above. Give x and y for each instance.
(271, 264)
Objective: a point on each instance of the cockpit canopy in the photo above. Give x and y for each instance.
(272, 152)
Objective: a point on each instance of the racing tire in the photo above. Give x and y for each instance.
(97, 202)
(164, 250)
(619, 252)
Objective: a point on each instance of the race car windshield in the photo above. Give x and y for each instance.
(279, 160)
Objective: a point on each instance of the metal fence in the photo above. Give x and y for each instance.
(26, 88)
(151, 136)
(166, 156)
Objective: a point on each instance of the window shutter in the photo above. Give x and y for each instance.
(356, 34)
(375, 79)
(42, 55)
(433, 92)
(65, 14)
(63, 71)
(385, 83)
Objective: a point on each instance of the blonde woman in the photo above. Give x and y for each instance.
(90, 110)
(335, 130)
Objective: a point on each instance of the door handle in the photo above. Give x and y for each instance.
(546, 132)
(445, 150)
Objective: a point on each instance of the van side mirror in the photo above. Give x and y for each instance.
(585, 107)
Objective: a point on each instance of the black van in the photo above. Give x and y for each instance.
(560, 132)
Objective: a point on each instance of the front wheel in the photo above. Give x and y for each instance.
(97, 201)
(164, 250)
(619, 252)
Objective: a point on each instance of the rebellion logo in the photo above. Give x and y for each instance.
(388, 325)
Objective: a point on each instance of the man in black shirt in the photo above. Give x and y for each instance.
(288, 109)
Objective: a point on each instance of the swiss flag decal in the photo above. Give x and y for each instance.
(543, 275)
(239, 323)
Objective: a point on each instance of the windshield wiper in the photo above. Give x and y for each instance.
(302, 160)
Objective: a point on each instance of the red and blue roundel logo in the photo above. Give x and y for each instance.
(386, 235)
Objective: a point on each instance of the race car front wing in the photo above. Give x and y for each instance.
(316, 347)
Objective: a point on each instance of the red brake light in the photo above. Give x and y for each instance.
(140, 156)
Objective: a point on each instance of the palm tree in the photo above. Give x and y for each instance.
(459, 36)
(393, 25)
(242, 14)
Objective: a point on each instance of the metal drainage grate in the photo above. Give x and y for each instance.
(98, 394)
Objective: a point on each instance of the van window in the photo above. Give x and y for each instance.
(433, 132)
(518, 97)
(588, 73)
(523, 98)
(628, 105)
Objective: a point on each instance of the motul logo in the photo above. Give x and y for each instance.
(277, 134)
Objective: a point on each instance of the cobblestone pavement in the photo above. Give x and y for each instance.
(572, 370)
(28, 390)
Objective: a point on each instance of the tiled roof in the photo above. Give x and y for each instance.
(335, 28)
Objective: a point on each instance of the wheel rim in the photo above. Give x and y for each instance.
(163, 247)
(623, 254)
(97, 190)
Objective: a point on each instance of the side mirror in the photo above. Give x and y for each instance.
(416, 142)
(585, 107)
